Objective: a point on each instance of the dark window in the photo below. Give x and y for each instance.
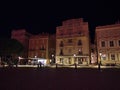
(42, 48)
(119, 42)
(69, 40)
(79, 42)
(112, 56)
(103, 43)
(79, 32)
(61, 52)
(61, 44)
(111, 43)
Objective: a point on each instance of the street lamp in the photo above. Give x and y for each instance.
(52, 55)
(75, 60)
(74, 57)
(100, 57)
(35, 56)
(99, 61)
(52, 58)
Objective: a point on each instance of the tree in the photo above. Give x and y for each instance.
(11, 47)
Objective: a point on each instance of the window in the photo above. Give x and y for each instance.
(111, 43)
(104, 56)
(79, 32)
(79, 42)
(112, 56)
(42, 47)
(103, 43)
(61, 60)
(61, 44)
(61, 51)
(69, 40)
(119, 42)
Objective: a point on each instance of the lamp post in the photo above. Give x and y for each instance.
(99, 63)
(75, 60)
(100, 57)
(52, 58)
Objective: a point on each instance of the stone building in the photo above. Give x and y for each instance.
(23, 37)
(72, 42)
(42, 46)
(108, 44)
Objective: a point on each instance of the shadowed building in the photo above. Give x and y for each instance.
(42, 46)
(108, 44)
(72, 42)
(23, 37)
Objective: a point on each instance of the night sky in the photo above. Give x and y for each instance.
(45, 16)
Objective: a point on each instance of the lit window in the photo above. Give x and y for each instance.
(104, 56)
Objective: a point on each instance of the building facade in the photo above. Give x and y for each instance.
(93, 59)
(42, 46)
(72, 42)
(23, 37)
(108, 44)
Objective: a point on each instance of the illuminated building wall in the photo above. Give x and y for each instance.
(108, 43)
(93, 54)
(41, 46)
(72, 42)
(23, 37)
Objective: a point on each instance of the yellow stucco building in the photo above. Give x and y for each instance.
(72, 42)
(108, 44)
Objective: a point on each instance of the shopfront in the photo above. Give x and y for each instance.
(71, 60)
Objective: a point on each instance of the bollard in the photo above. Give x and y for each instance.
(37, 65)
(56, 65)
(99, 67)
(75, 66)
(40, 65)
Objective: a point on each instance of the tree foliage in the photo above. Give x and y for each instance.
(10, 46)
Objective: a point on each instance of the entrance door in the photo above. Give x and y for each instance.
(80, 60)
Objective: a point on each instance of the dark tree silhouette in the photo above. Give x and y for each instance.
(10, 48)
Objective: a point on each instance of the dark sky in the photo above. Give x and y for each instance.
(45, 16)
